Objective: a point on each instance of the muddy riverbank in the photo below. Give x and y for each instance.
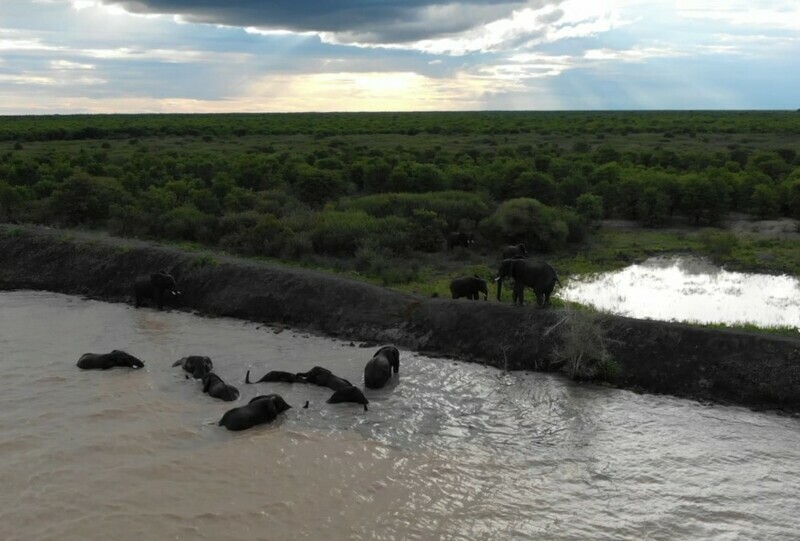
(732, 367)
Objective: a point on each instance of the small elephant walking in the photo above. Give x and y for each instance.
(456, 238)
(378, 370)
(154, 286)
(538, 275)
(469, 287)
(214, 386)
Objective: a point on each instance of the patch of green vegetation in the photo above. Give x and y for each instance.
(205, 260)
(779, 330)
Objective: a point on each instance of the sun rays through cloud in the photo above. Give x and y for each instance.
(369, 55)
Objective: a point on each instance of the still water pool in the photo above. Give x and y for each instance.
(453, 451)
(690, 289)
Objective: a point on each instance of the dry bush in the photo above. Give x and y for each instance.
(583, 347)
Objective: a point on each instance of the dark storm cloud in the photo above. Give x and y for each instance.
(366, 21)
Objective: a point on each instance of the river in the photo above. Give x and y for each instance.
(453, 451)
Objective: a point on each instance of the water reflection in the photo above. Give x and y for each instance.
(693, 290)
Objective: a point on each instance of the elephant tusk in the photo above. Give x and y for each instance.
(497, 279)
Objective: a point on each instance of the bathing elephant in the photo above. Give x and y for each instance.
(197, 365)
(538, 275)
(460, 239)
(276, 375)
(154, 286)
(469, 287)
(349, 394)
(214, 386)
(379, 369)
(516, 251)
(324, 378)
(104, 361)
(260, 410)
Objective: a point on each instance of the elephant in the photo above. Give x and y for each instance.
(154, 286)
(460, 239)
(261, 409)
(104, 361)
(276, 375)
(214, 386)
(517, 251)
(349, 394)
(379, 369)
(197, 365)
(324, 378)
(469, 287)
(538, 275)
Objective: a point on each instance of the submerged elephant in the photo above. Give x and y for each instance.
(324, 378)
(197, 365)
(349, 394)
(460, 239)
(214, 386)
(276, 375)
(104, 361)
(379, 369)
(538, 275)
(260, 410)
(517, 251)
(154, 286)
(469, 287)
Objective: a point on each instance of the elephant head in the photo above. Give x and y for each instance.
(165, 282)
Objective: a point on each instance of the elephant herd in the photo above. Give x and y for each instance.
(263, 408)
(537, 275)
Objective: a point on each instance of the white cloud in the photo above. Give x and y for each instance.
(67, 65)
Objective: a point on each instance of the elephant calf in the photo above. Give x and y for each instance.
(379, 369)
(277, 375)
(260, 410)
(469, 287)
(104, 361)
(324, 378)
(154, 286)
(196, 365)
(349, 394)
(214, 386)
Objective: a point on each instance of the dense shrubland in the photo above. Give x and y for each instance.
(373, 187)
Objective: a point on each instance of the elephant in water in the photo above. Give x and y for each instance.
(214, 386)
(154, 286)
(517, 251)
(104, 361)
(324, 378)
(379, 369)
(196, 365)
(469, 287)
(349, 394)
(260, 410)
(277, 375)
(538, 275)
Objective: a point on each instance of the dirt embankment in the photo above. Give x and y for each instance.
(733, 367)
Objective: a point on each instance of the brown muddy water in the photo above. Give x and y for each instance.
(454, 451)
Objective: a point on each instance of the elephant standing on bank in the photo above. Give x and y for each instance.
(516, 251)
(538, 275)
(460, 239)
(469, 287)
(154, 286)
(379, 369)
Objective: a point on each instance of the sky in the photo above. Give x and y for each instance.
(193, 56)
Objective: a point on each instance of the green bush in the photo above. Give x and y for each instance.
(589, 207)
(84, 199)
(538, 226)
